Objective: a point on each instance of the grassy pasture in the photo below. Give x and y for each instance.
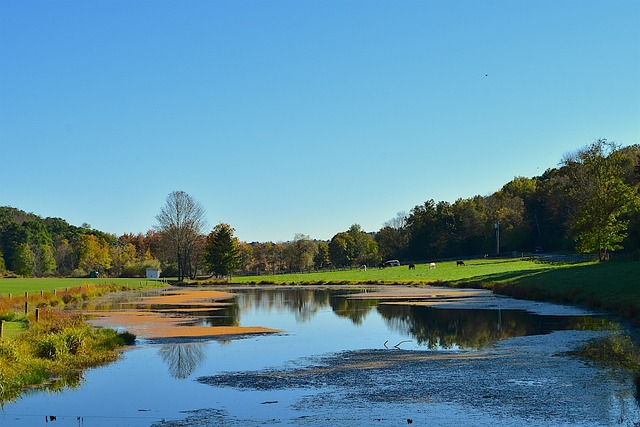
(475, 271)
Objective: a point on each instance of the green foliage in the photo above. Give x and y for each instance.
(353, 247)
(24, 260)
(340, 250)
(221, 251)
(49, 347)
(321, 257)
(600, 197)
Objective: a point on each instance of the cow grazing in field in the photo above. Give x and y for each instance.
(412, 266)
(432, 266)
(363, 267)
(459, 262)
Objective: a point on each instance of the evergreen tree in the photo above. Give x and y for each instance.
(221, 251)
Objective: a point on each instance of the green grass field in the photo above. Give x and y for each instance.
(474, 271)
(17, 286)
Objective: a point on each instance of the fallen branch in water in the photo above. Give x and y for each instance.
(397, 345)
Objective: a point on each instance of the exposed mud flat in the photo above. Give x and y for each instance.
(173, 314)
(158, 325)
(520, 381)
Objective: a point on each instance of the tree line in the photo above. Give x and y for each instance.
(589, 204)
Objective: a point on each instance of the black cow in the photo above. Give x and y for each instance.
(459, 262)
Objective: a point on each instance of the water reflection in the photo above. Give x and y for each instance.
(431, 327)
(305, 303)
(228, 315)
(473, 329)
(302, 303)
(182, 359)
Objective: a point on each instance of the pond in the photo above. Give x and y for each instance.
(342, 356)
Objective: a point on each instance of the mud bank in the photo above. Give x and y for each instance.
(521, 381)
(173, 314)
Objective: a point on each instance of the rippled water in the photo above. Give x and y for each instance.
(217, 382)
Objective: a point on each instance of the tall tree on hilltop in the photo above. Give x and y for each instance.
(181, 222)
(222, 251)
(599, 197)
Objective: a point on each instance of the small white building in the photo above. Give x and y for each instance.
(153, 273)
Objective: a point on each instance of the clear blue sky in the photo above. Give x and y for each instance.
(284, 117)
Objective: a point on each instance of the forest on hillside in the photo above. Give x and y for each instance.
(589, 204)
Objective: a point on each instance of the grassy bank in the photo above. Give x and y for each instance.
(52, 351)
(611, 286)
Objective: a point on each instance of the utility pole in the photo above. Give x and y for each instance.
(498, 238)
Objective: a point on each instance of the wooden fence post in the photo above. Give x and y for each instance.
(37, 314)
(1, 328)
(26, 307)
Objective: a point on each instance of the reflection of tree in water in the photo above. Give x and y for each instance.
(305, 303)
(354, 309)
(228, 315)
(302, 303)
(446, 328)
(182, 359)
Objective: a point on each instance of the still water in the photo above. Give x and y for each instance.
(357, 361)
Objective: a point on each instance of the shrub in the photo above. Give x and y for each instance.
(8, 351)
(73, 339)
(49, 347)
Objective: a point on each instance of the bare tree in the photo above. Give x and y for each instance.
(182, 222)
(399, 222)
